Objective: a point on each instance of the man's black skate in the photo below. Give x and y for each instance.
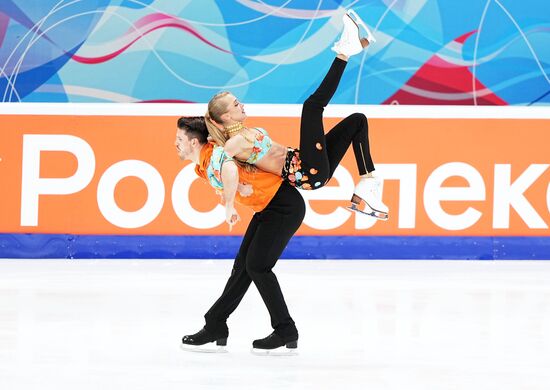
(202, 342)
(276, 345)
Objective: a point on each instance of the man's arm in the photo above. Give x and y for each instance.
(230, 180)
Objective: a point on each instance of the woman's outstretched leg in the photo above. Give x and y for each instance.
(312, 134)
(310, 168)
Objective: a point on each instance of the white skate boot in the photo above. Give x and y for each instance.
(366, 191)
(350, 42)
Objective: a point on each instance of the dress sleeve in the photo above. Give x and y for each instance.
(214, 169)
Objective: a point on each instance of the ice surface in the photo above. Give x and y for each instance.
(416, 325)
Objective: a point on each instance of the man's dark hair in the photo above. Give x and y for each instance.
(194, 127)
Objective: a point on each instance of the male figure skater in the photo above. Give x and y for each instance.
(279, 211)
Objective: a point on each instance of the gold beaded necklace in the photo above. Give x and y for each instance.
(233, 129)
(237, 128)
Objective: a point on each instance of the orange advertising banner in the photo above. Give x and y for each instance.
(117, 174)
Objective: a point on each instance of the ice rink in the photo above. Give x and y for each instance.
(416, 325)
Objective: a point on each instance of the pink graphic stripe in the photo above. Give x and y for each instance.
(143, 27)
(439, 81)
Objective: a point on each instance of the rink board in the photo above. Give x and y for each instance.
(81, 181)
(56, 246)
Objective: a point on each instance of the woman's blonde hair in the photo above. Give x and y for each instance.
(216, 108)
(213, 119)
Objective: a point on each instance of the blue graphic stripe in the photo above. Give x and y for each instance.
(300, 247)
(510, 53)
(539, 99)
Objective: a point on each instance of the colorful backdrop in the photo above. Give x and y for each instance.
(489, 52)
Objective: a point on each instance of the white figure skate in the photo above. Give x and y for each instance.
(367, 193)
(350, 42)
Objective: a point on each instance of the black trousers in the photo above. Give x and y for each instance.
(264, 241)
(320, 154)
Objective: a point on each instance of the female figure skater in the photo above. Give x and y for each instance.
(312, 165)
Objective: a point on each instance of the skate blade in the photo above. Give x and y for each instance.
(281, 351)
(207, 348)
(369, 212)
(359, 22)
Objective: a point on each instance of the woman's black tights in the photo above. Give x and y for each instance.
(321, 153)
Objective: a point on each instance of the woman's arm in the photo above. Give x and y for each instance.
(233, 146)
(230, 180)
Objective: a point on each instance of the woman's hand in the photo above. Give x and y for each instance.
(231, 216)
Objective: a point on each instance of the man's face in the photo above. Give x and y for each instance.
(184, 145)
